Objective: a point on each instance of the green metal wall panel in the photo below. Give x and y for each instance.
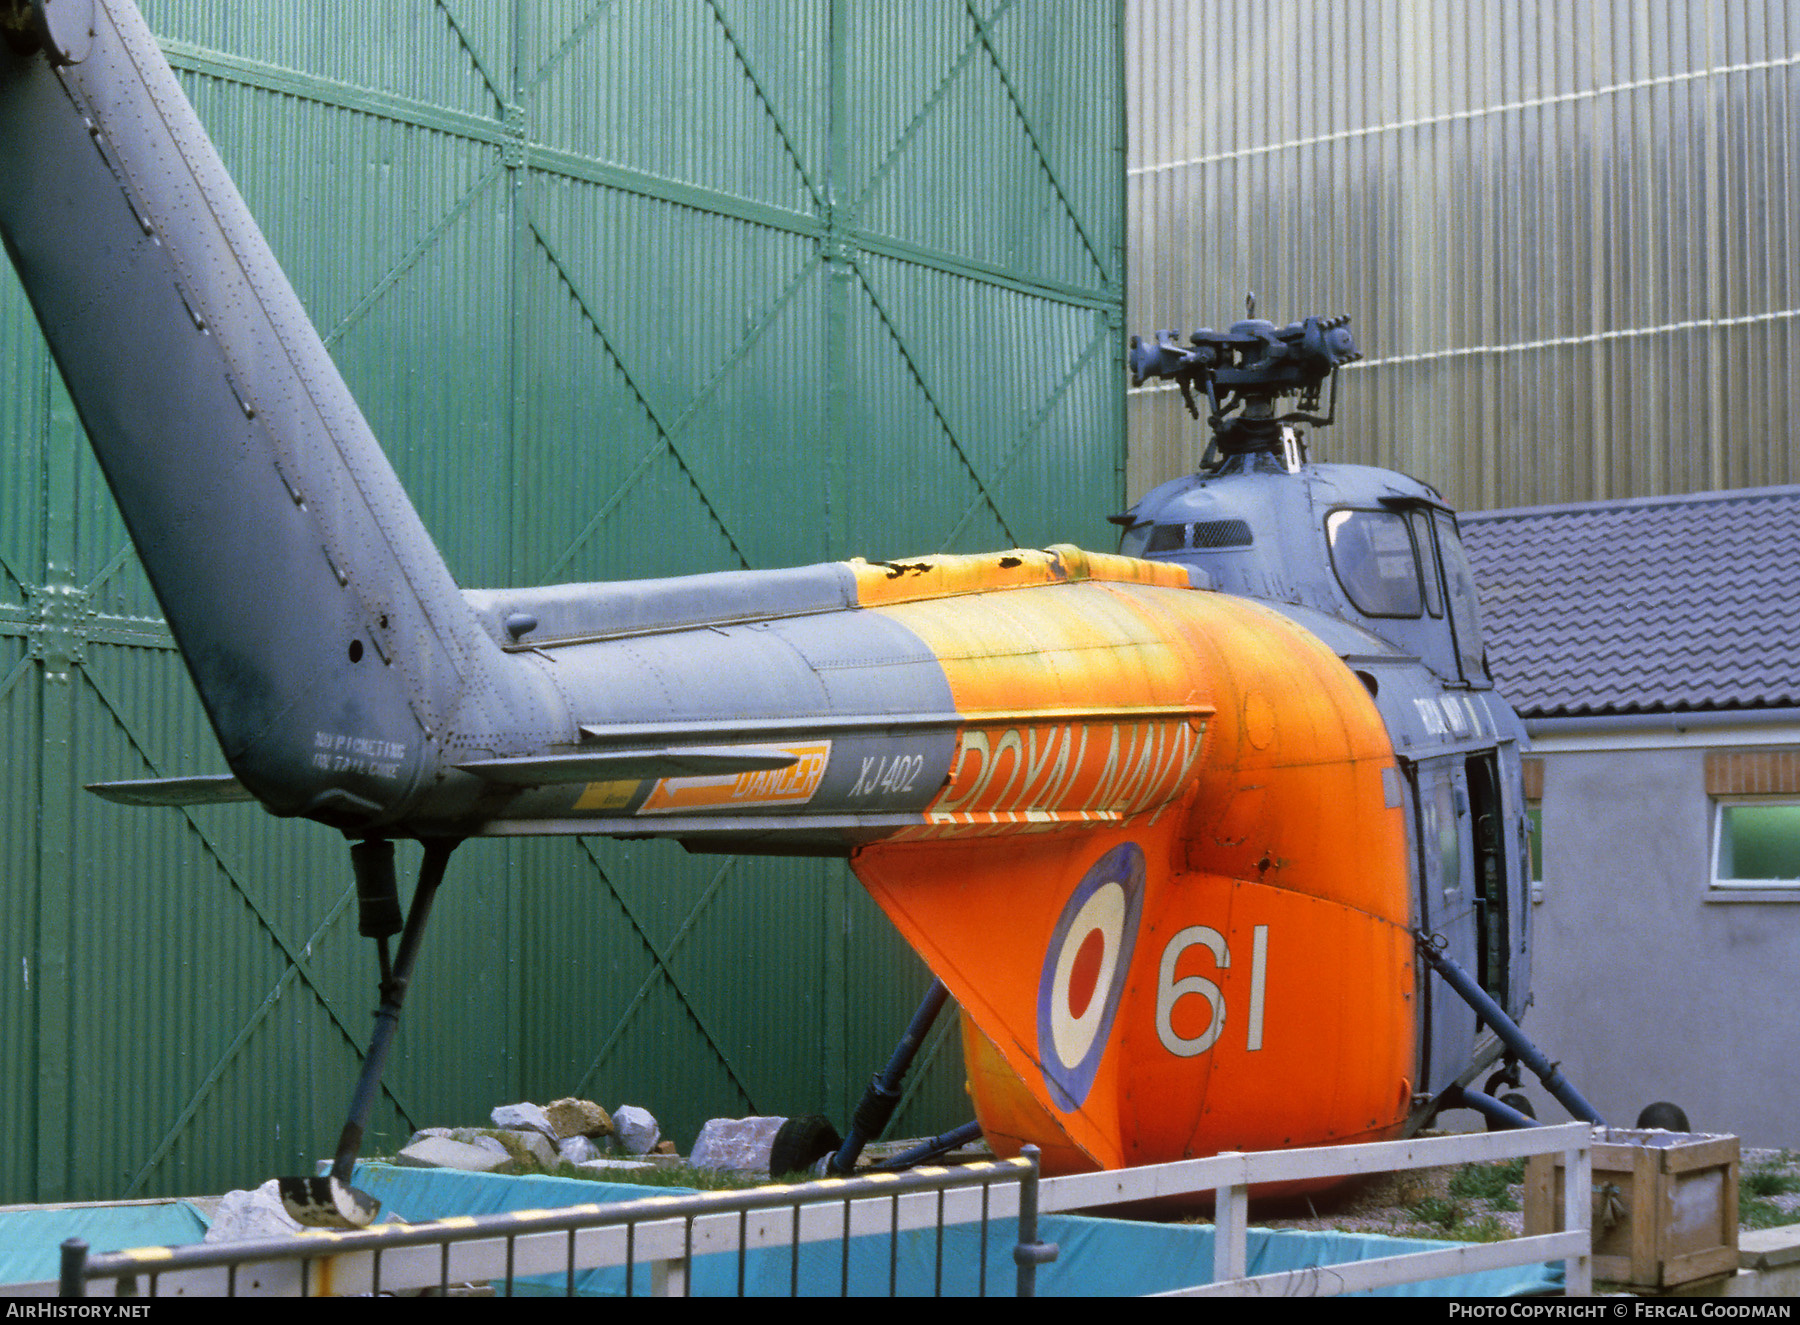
(20, 745)
(626, 289)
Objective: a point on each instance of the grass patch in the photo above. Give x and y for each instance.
(1770, 1179)
(1442, 1217)
(1485, 1229)
(1487, 1182)
(1437, 1212)
(666, 1175)
(1760, 1212)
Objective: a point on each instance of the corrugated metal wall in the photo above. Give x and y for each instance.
(1566, 229)
(625, 289)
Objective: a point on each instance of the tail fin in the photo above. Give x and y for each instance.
(313, 610)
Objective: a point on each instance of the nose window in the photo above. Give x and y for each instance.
(1167, 538)
(1201, 536)
(1372, 553)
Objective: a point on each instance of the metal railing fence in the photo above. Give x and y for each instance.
(657, 1239)
(658, 1242)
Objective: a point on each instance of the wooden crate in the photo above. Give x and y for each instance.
(1665, 1205)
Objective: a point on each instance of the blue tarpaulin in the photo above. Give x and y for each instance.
(31, 1239)
(1096, 1257)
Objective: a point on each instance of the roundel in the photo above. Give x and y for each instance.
(1084, 972)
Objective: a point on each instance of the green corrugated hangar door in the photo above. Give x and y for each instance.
(626, 290)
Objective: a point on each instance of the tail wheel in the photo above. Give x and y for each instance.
(1664, 1116)
(1519, 1104)
(802, 1142)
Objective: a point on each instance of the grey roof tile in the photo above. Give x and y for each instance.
(1651, 605)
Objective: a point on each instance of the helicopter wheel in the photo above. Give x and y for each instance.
(801, 1143)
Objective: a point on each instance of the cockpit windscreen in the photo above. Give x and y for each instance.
(1372, 553)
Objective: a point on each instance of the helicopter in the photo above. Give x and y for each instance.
(1185, 830)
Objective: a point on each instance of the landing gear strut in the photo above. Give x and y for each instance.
(811, 1140)
(883, 1094)
(1514, 1039)
(330, 1201)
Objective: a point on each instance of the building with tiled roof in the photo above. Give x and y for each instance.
(1653, 647)
(1654, 605)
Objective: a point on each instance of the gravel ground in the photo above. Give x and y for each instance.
(1475, 1203)
(1419, 1203)
(1768, 1188)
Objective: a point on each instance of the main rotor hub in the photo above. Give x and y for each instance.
(1244, 371)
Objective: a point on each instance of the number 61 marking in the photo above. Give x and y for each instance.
(1170, 991)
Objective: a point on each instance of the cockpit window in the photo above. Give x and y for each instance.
(1421, 523)
(1372, 553)
(1146, 540)
(1465, 607)
(1167, 538)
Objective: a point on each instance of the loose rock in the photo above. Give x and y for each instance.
(572, 1117)
(440, 1152)
(577, 1150)
(525, 1117)
(529, 1149)
(738, 1144)
(251, 1214)
(603, 1166)
(636, 1128)
(482, 1141)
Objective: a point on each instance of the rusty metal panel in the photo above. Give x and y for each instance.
(625, 290)
(1565, 230)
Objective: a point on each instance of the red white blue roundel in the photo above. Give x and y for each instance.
(1084, 972)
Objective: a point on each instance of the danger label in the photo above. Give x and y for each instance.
(793, 785)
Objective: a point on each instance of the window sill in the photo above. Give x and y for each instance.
(1778, 894)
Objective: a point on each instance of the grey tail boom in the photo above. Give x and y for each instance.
(340, 666)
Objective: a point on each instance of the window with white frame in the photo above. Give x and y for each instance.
(1756, 824)
(1534, 848)
(1533, 773)
(1756, 843)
